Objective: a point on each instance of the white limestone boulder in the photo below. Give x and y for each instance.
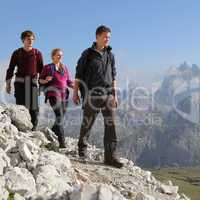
(3, 192)
(95, 192)
(8, 135)
(59, 161)
(20, 180)
(4, 161)
(20, 117)
(50, 183)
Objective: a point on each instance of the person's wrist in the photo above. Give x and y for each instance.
(114, 92)
(75, 95)
(75, 92)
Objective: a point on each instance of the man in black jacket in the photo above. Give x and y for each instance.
(96, 79)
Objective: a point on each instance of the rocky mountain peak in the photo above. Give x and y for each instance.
(183, 70)
(175, 78)
(184, 66)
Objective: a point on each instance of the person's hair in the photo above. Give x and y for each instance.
(54, 51)
(101, 29)
(27, 33)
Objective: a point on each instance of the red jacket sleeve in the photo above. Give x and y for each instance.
(44, 73)
(11, 67)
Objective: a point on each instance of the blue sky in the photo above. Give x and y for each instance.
(148, 36)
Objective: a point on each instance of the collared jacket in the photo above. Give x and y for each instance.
(96, 69)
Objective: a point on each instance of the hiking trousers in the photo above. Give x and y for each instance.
(94, 105)
(26, 94)
(59, 108)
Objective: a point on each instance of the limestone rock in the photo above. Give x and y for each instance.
(50, 135)
(168, 189)
(50, 183)
(3, 192)
(84, 192)
(108, 192)
(20, 180)
(4, 118)
(4, 161)
(20, 117)
(18, 197)
(39, 138)
(8, 135)
(59, 161)
(15, 157)
(25, 153)
(143, 196)
(95, 192)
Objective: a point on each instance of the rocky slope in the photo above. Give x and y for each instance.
(32, 167)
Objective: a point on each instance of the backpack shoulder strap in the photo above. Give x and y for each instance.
(52, 69)
(36, 52)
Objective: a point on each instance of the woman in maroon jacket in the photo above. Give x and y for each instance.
(55, 78)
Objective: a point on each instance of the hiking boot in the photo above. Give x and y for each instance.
(82, 157)
(34, 128)
(114, 163)
(82, 154)
(62, 146)
(61, 141)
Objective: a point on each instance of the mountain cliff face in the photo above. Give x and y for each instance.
(169, 133)
(178, 102)
(33, 168)
(182, 77)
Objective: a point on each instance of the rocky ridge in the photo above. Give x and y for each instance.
(32, 167)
